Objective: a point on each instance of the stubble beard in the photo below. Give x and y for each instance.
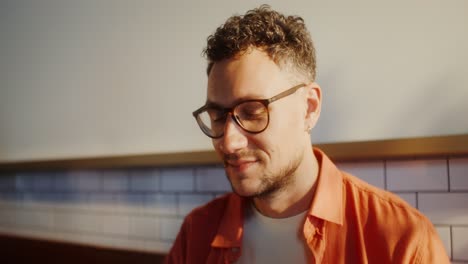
(274, 182)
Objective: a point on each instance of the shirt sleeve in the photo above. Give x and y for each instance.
(432, 249)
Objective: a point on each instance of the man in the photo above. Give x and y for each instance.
(289, 204)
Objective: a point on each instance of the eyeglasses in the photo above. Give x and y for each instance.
(251, 115)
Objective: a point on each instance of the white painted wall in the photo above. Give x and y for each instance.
(107, 77)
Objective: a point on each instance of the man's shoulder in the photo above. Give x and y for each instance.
(375, 202)
(379, 215)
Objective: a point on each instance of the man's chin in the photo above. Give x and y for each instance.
(245, 190)
(245, 194)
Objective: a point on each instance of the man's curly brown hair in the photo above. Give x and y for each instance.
(285, 39)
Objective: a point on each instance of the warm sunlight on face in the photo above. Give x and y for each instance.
(259, 164)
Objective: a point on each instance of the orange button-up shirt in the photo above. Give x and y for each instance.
(349, 221)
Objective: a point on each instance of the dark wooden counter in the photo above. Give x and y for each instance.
(15, 249)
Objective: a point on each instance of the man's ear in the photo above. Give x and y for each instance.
(313, 97)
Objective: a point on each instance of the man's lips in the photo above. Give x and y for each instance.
(239, 166)
(238, 163)
(241, 160)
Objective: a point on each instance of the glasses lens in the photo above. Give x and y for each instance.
(212, 122)
(252, 116)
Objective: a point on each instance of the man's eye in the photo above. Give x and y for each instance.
(219, 119)
(252, 116)
(216, 116)
(254, 112)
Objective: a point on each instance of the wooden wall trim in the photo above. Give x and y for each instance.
(409, 148)
(440, 146)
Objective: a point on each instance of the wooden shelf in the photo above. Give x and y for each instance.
(440, 146)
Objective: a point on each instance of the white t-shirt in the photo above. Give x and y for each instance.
(273, 240)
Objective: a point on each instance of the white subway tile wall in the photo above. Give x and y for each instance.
(144, 226)
(458, 171)
(160, 204)
(409, 198)
(444, 208)
(212, 180)
(7, 182)
(43, 182)
(24, 181)
(169, 228)
(86, 180)
(417, 175)
(460, 243)
(115, 180)
(143, 209)
(177, 180)
(187, 202)
(371, 172)
(444, 234)
(144, 180)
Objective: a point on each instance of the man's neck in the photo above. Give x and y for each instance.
(294, 198)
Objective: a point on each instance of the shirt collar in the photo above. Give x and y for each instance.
(231, 227)
(327, 204)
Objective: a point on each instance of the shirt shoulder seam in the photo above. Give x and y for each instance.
(382, 195)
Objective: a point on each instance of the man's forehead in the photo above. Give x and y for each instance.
(250, 76)
(227, 97)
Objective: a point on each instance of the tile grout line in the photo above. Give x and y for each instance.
(451, 243)
(448, 175)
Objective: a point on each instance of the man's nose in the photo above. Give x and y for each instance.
(234, 138)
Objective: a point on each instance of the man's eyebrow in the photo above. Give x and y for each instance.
(236, 102)
(213, 104)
